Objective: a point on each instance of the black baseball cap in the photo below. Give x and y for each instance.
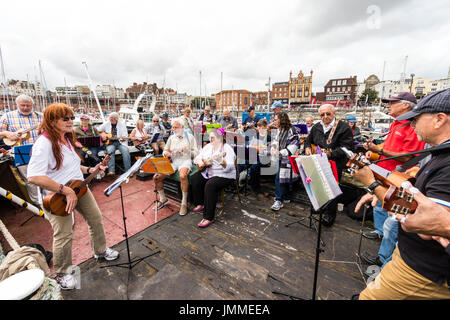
(250, 109)
(435, 102)
(401, 96)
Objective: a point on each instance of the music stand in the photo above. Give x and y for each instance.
(118, 184)
(319, 250)
(153, 166)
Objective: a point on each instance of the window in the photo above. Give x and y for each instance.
(344, 82)
(338, 89)
(339, 82)
(245, 100)
(334, 83)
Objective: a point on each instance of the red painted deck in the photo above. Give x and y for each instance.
(137, 196)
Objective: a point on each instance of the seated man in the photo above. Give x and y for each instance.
(115, 135)
(181, 148)
(152, 129)
(87, 130)
(227, 121)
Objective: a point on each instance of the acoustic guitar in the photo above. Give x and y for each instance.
(24, 134)
(56, 203)
(108, 138)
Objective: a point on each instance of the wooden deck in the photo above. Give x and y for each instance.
(246, 254)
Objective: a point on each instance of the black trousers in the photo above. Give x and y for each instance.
(206, 192)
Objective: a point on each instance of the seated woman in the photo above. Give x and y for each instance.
(181, 148)
(216, 171)
(154, 128)
(286, 144)
(87, 130)
(54, 162)
(139, 137)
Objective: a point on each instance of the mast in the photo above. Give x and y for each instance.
(65, 89)
(403, 75)
(200, 94)
(221, 94)
(44, 84)
(95, 94)
(5, 82)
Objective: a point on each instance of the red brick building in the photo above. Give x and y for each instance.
(280, 92)
(238, 100)
(343, 89)
(260, 98)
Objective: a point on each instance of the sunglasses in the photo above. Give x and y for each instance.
(65, 119)
(325, 114)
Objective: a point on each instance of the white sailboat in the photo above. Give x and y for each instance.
(130, 114)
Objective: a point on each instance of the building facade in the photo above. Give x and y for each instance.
(234, 100)
(280, 92)
(300, 89)
(343, 89)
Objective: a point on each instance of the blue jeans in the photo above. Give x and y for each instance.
(111, 150)
(389, 242)
(379, 216)
(280, 189)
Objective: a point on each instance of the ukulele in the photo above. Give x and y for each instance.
(24, 134)
(56, 203)
(209, 162)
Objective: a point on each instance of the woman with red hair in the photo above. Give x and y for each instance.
(54, 161)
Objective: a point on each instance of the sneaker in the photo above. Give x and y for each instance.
(242, 177)
(277, 205)
(371, 260)
(109, 255)
(372, 234)
(66, 282)
(183, 210)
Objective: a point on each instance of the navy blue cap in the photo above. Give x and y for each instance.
(435, 102)
(401, 96)
(250, 109)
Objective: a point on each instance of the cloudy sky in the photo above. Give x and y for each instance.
(249, 41)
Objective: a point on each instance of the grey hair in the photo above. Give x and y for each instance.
(328, 105)
(24, 98)
(155, 118)
(177, 120)
(412, 105)
(114, 115)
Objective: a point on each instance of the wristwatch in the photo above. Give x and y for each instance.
(370, 189)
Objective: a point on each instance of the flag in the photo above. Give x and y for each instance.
(313, 100)
(337, 103)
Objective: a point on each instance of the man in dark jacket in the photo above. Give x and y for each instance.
(330, 135)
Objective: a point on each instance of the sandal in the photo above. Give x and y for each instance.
(162, 204)
(198, 208)
(204, 223)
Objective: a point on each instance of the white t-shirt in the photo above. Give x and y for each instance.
(42, 163)
(216, 170)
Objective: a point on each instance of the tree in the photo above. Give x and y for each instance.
(371, 93)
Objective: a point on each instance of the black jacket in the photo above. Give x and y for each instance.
(343, 137)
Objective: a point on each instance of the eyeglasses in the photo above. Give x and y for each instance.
(324, 114)
(65, 119)
(155, 121)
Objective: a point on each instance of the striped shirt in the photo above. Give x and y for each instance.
(14, 121)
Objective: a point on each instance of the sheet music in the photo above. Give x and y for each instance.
(318, 179)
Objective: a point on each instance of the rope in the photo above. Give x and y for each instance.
(49, 290)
